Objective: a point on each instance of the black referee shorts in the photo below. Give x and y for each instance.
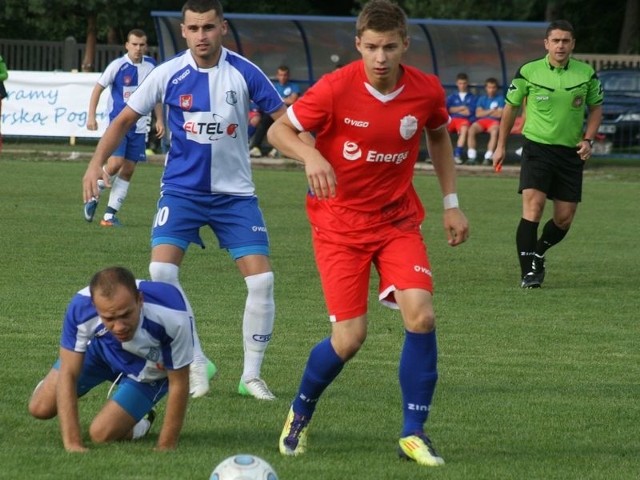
(553, 169)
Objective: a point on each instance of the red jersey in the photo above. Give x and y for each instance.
(372, 142)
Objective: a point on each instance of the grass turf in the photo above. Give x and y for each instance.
(539, 384)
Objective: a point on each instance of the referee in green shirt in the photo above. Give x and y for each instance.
(556, 90)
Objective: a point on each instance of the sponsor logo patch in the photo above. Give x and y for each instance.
(207, 127)
(351, 151)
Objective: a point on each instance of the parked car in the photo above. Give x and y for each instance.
(621, 108)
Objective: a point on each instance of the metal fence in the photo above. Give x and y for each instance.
(66, 56)
(603, 62)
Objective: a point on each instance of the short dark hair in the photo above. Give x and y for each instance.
(382, 16)
(563, 25)
(106, 282)
(202, 6)
(492, 80)
(136, 32)
(462, 76)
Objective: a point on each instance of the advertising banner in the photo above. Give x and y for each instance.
(51, 104)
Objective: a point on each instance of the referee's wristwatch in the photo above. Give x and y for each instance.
(590, 140)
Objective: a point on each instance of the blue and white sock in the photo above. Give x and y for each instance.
(418, 373)
(323, 366)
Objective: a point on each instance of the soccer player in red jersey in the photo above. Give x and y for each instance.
(367, 118)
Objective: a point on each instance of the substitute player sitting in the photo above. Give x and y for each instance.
(461, 106)
(118, 328)
(488, 114)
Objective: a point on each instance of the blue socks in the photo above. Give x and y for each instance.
(323, 366)
(418, 375)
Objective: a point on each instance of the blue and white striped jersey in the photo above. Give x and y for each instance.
(124, 77)
(163, 341)
(208, 112)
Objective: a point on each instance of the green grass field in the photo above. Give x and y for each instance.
(540, 384)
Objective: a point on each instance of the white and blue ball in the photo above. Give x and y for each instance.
(243, 467)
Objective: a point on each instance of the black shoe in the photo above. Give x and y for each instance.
(537, 266)
(151, 416)
(535, 277)
(532, 280)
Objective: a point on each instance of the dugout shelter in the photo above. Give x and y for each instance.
(314, 45)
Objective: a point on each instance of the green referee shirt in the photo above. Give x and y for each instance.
(3, 70)
(556, 99)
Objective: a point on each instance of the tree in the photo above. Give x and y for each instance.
(591, 30)
(523, 10)
(592, 33)
(290, 7)
(70, 19)
(91, 40)
(110, 20)
(630, 34)
(93, 21)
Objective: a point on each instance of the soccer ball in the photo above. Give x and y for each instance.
(243, 467)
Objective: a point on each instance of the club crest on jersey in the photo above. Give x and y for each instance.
(207, 127)
(577, 102)
(408, 126)
(186, 102)
(351, 151)
(153, 354)
(127, 80)
(232, 97)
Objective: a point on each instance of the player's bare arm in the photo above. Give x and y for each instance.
(92, 123)
(108, 143)
(278, 113)
(67, 400)
(456, 226)
(593, 122)
(463, 109)
(177, 400)
(320, 174)
(455, 222)
(506, 124)
(441, 153)
(159, 114)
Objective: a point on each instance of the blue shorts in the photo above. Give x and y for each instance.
(132, 147)
(136, 398)
(236, 221)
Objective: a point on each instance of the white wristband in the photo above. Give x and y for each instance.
(450, 201)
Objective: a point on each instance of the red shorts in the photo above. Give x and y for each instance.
(487, 123)
(400, 258)
(456, 124)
